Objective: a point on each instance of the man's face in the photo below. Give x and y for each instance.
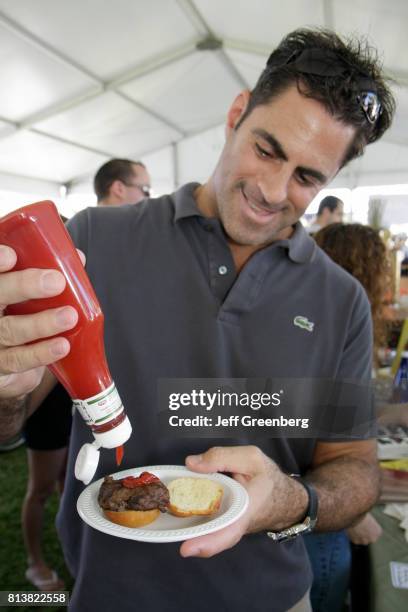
(274, 164)
(135, 188)
(328, 216)
(132, 191)
(337, 215)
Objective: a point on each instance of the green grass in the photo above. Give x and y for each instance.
(13, 479)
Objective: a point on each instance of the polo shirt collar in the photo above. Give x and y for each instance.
(300, 246)
(184, 202)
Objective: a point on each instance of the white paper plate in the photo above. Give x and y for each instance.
(167, 528)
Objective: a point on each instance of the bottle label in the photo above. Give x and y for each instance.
(101, 408)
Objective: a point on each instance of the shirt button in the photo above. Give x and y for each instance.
(222, 270)
(208, 227)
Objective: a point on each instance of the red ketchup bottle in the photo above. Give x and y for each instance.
(38, 236)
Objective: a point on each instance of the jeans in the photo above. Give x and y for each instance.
(330, 557)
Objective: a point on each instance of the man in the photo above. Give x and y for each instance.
(330, 211)
(121, 181)
(221, 280)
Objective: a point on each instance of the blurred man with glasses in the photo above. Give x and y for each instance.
(331, 210)
(121, 181)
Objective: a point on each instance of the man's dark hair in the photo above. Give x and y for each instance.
(330, 202)
(345, 76)
(113, 170)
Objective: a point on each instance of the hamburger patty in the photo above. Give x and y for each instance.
(114, 496)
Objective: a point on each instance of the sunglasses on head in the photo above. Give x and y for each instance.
(326, 63)
(370, 105)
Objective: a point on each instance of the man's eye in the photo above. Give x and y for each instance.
(304, 179)
(261, 152)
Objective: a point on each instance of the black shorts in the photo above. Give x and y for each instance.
(49, 427)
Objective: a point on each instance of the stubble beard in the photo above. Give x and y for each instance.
(240, 231)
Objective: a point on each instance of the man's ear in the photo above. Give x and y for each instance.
(237, 109)
(117, 188)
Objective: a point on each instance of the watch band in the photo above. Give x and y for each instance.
(308, 522)
(313, 499)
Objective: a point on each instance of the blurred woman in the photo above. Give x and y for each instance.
(359, 250)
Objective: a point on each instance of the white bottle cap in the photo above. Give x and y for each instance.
(87, 462)
(116, 436)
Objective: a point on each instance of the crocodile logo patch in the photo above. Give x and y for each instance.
(303, 323)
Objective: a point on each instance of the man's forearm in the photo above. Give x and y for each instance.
(347, 487)
(12, 416)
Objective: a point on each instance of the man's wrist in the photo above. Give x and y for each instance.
(296, 503)
(306, 524)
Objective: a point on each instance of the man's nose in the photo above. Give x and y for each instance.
(275, 185)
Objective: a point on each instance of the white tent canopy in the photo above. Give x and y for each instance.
(86, 80)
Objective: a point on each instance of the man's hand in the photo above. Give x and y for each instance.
(367, 531)
(268, 489)
(22, 363)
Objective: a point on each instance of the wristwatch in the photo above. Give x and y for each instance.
(309, 521)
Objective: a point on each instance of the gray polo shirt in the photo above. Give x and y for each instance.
(175, 308)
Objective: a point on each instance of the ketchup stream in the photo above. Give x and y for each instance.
(119, 454)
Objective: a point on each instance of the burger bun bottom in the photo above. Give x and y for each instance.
(132, 518)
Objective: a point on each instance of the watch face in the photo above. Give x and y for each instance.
(292, 532)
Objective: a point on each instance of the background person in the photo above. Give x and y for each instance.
(359, 250)
(121, 181)
(213, 292)
(46, 435)
(330, 211)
